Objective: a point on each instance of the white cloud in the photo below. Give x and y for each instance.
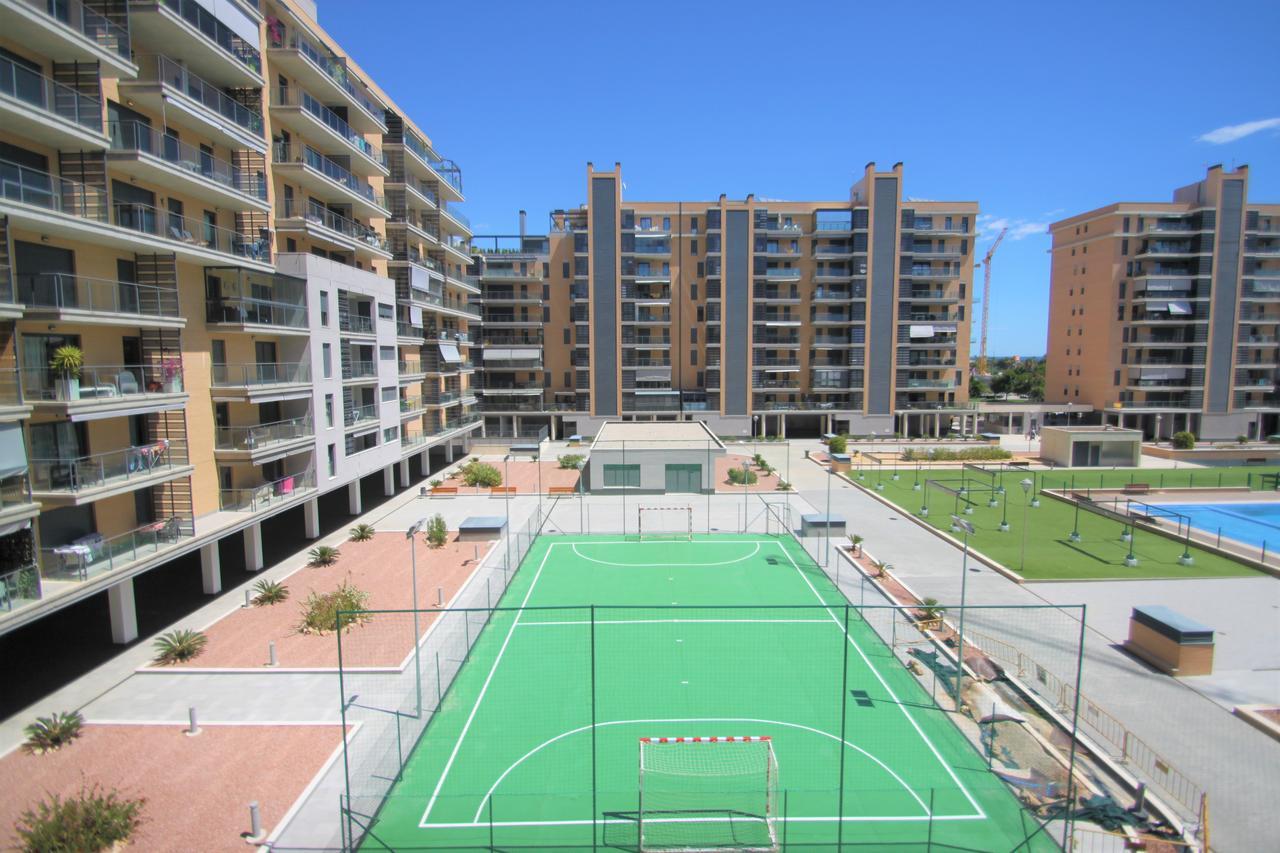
(1232, 132)
(989, 227)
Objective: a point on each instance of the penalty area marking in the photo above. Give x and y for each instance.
(742, 559)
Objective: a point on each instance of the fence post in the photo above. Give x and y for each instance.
(1124, 746)
(439, 690)
(929, 841)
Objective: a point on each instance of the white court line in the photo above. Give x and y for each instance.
(684, 622)
(888, 689)
(613, 820)
(742, 559)
(580, 729)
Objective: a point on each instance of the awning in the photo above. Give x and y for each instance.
(652, 373)
(449, 352)
(921, 331)
(1163, 372)
(415, 315)
(13, 451)
(1157, 306)
(511, 354)
(1265, 286)
(1167, 284)
(1179, 308)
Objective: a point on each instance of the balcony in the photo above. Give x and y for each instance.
(143, 152)
(530, 273)
(68, 30)
(12, 405)
(213, 49)
(779, 274)
(321, 223)
(358, 324)
(409, 372)
(93, 555)
(320, 70)
(774, 294)
(409, 334)
(255, 441)
(924, 272)
(190, 236)
(359, 372)
(411, 407)
(257, 382)
(927, 295)
(461, 224)
(167, 87)
(21, 586)
(437, 168)
(929, 384)
(107, 390)
(327, 180)
(36, 107)
(270, 495)
(79, 480)
(257, 315)
(79, 299)
(828, 318)
(16, 503)
(300, 111)
(360, 416)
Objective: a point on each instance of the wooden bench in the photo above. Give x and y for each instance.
(500, 491)
(562, 490)
(1136, 489)
(444, 491)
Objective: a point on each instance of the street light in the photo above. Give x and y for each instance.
(1027, 485)
(960, 524)
(1075, 525)
(413, 562)
(826, 559)
(1004, 516)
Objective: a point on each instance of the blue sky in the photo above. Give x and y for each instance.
(1034, 110)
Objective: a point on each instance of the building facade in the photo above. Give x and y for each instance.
(1164, 315)
(233, 280)
(772, 318)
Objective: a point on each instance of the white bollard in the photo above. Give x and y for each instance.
(439, 596)
(248, 600)
(195, 726)
(255, 820)
(271, 654)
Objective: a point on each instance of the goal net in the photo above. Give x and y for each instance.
(665, 522)
(707, 793)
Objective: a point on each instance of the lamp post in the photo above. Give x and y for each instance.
(413, 562)
(1026, 491)
(1035, 493)
(826, 550)
(1158, 417)
(1075, 525)
(1004, 516)
(967, 528)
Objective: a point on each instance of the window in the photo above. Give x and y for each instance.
(566, 334)
(700, 315)
(386, 353)
(693, 291)
(328, 410)
(646, 222)
(693, 246)
(386, 312)
(702, 269)
(1119, 312)
(1126, 224)
(324, 308)
(546, 313)
(1124, 247)
(701, 380)
(666, 223)
(693, 334)
(388, 394)
(693, 225)
(390, 434)
(333, 460)
(546, 270)
(622, 476)
(1122, 287)
(568, 379)
(326, 360)
(564, 270)
(693, 357)
(546, 293)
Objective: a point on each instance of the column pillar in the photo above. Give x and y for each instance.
(311, 518)
(515, 426)
(783, 419)
(404, 472)
(210, 569)
(253, 547)
(424, 461)
(389, 480)
(553, 428)
(124, 612)
(448, 452)
(354, 506)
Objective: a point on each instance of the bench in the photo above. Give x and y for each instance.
(562, 490)
(499, 491)
(1136, 489)
(443, 491)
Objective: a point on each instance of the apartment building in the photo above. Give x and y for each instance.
(1164, 315)
(233, 280)
(757, 316)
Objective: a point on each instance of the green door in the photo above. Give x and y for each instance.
(684, 478)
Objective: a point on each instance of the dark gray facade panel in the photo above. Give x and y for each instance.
(604, 295)
(880, 335)
(737, 310)
(1226, 293)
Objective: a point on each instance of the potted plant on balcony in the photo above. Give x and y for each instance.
(67, 362)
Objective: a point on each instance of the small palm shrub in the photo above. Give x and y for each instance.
(855, 541)
(760, 461)
(269, 592)
(179, 646)
(49, 734)
(437, 531)
(321, 613)
(838, 444)
(571, 461)
(784, 486)
(1184, 440)
(93, 820)
(482, 474)
(361, 533)
(435, 482)
(880, 569)
(741, 476)
(931, 609)
(323, 555)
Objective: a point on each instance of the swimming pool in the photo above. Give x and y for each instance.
(1252, 523)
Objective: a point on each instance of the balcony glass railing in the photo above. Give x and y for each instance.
(456, 215)
(408, 330)
(358, 323)
(94, 555)
(360, 370)
(441, 166)
(87, 22)
(287, 97)
(360, 414)
(36, 90)
(262, 436)
(217, 32)
(15, 491)
(170, 73)
(20, 586)
(253, 375)
(101, 382)
(267, 495)
(41, 189)
(140, 138)
(241, 311)
(318, 214)
(10, 388)
(781, 274)
(305, 154)
(334, 68)
(152, 221)
(66, 292)
(71, 475)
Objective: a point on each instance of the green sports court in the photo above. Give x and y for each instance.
(601, 641)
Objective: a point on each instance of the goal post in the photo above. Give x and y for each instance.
(707, 793)
(665, 522)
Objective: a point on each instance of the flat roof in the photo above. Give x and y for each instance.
(654, 434)
(1094, 431)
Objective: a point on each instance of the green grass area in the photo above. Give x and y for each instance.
(537, 741)
(1049, 552)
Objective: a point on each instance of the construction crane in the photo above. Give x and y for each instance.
(986, 301)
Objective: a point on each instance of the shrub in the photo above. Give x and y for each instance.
(93, 820)
(931, 609)
(1184, 440)
(1242, 439)
(571, 461)
(946, 454)
(269, 592)
(437, 531)
(856, 541)
(323, 555)
(760, 461)
(179, 646)
(48, 734)
(320, 613)
(435, 482)
(784, 486)
(837, 444)
(880, 568)
(361, 533)
(742, 476)
(482, 474)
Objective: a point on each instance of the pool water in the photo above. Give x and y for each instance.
(1251, 523)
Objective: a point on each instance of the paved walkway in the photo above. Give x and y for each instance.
(1238, 765)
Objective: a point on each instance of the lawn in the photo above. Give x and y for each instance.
(1050, 554)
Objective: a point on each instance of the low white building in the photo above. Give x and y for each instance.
(654, 457)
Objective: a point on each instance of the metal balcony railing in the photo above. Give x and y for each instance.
(217, 32)
(98, 382)
(258, 312)
(266, 495)
(94, 555)
(360, 414)
(293, 97)
(361, 369)
(76, 474)
(87, 22)
(134, 136)
(320, 215)
(194, 232)
(262, 436)
(254, 375)
(171, 73)
(66, 292)
(332, 67)
(48, 96)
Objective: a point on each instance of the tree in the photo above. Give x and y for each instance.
(1023, 378)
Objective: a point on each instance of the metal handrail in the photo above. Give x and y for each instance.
(96, 382)
(171, 73)
(252, 375)
(82, 293)
(50, 96)
(76, 474)
(256, 436)
(145, 139)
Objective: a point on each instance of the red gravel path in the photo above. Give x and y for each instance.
(197, 789)
(380, 567)
(764, 482)
(522, 475)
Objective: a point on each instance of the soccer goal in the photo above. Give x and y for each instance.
(665, 522)
(707, 793)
